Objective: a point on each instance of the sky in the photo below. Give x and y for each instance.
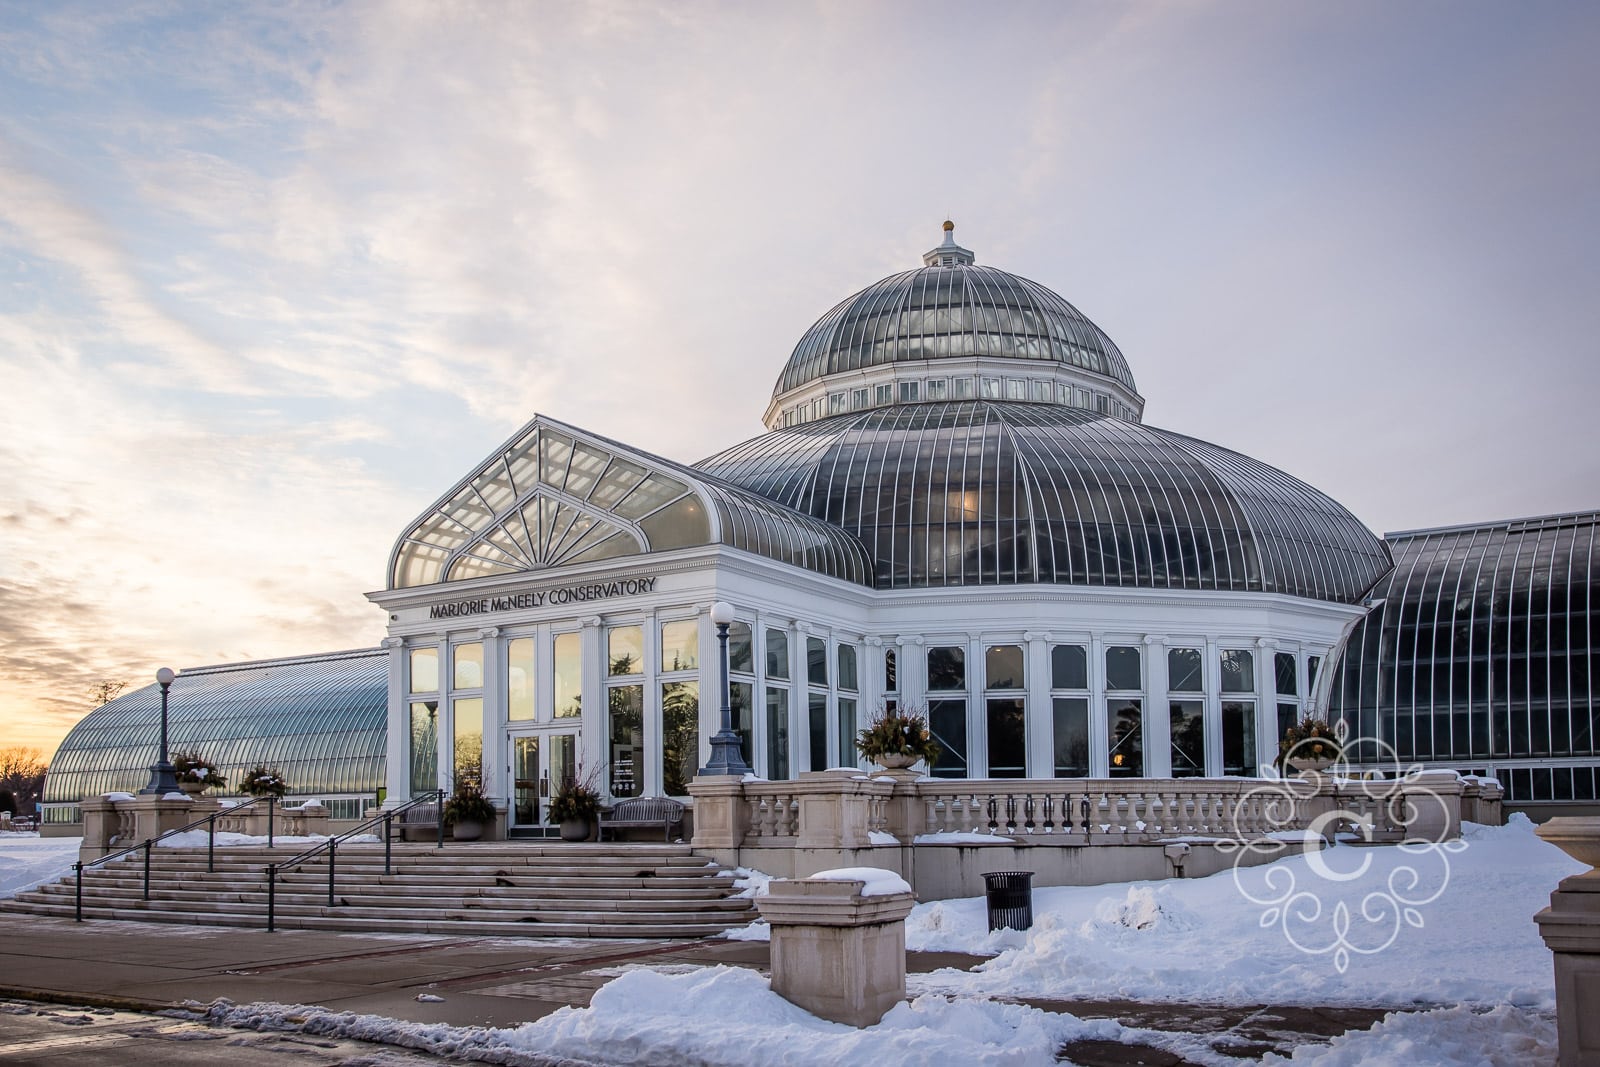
(273, 277)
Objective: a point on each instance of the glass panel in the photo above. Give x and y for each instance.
(816, 661)
(1238, 671)
(562, 753)
(649, 495)
(1239, 737)
(424, 746)
(1125, 722)
(817, 723)
(469, 666)
(890, 683)
(777, 733)
(1183, 670)
(1312, 663)
(569, 676)
(469, 741)
(1188, 739)
(847, 668)
(424, 670)
(680, 736)
(519, 678)
(846, 714)
(1003, 667)
(1123, 668)
(777, 654)
(741, 657)
(680, 645)
(947, 721)
(947, 669)
(1071, 737)
(525, 781)
(1069, 667)
(741, 698)
(617, 481)
(624, 651)
(1284, 675)
(677, 525)
(625, 733)
(1288, 715)
(1008, 742)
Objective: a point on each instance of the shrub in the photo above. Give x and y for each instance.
(262, 781)
(468, 804)
(577, 797)
(901, 731)
(1309, 739)
(193, 767)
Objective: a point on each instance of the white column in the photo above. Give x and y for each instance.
(496, 770)
(977, 710)
(869, 676)
(799, 701)
(1041, 713)
(592, 689)
(650, 772)
(1099, 733)
(1157, 715)
(397, 758)
(1211, 672)
(912, 667)
(710, 681)
(1266, 703)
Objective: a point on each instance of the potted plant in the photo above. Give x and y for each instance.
(468, 811)
(1309, 745)
(574, 807)
(898, 737)
(263, 781)
(195, 773)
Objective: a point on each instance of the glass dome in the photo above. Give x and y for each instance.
(977, 493)
(951, 309)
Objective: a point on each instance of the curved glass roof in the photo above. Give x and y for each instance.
(1483, 646)
(995, 493)
(951, 308)
(319, 719)
(555, 495)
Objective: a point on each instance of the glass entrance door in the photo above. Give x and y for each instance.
(539, 763)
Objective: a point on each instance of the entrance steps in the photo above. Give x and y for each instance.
(496, 889)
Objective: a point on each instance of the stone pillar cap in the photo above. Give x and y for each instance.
(820, 902)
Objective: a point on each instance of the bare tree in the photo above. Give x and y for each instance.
(22, 775)
(105, 691)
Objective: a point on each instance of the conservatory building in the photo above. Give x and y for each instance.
(956, 505)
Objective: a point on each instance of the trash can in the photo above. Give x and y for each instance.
(1010, 898)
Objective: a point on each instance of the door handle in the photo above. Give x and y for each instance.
(544, 785)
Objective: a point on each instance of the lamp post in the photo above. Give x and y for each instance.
(162, 780)
(725, 756)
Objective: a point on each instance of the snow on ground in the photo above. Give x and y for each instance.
(1203, 941)
(1445, 1037)
(27, 860)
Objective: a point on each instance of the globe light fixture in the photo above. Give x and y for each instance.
(162, 778)
(725, 755)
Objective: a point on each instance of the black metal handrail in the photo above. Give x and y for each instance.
(331, 846)
(210, 820)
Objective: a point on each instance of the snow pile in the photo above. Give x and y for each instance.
(647, 1017)
(200, 838)
(27, 860)
(750, 882)
(1447, 1037)
(878, 882)
(956, 837)
(878, 837)
(1204, 941)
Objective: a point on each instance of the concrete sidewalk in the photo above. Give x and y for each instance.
(483, 981)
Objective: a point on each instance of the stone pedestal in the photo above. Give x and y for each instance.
(721, 817)
(1433, 806)
(113, 825)
(835, 953)
(1570, 927)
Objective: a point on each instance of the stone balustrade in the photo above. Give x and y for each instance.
(113, 824)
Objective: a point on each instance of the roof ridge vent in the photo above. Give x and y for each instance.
(948, 254)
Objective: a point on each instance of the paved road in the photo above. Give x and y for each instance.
(49, 1034)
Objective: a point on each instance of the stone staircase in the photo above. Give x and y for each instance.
(498, 889)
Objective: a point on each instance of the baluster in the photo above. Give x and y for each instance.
(793, 827)
(1028, 825)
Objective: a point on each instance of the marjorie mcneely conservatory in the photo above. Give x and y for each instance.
(957, 506)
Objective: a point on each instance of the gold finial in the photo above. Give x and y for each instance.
(948, 225)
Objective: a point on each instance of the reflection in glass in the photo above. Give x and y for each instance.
(777, 654)
(525, 781)
(1071, 715)
(1003, 667)
(1184, 670)
(1288, 715)
(624, 651)
(519, 678)
(424, 746)
(625, 733)
(424, 670)
(817, 723)
(469, 665)
(1284, 674)
(469, 741)
(568, 676)
(947, 722)
(1188, 739)
(680, 645)
(1239, 738)
(890, 683)
(1125, 722)
(741, 700)
(1238, 671)
(777, 733)
(1122, 668)
(816, 661)
(847, 668)
(1008, 742)
(947, 667)
(1069, 667)
(740, 653)
(680, 736)
(846, 713)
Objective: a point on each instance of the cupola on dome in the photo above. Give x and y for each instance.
(952, 330)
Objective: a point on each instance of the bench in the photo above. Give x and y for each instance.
(420, 823)
(643, 811)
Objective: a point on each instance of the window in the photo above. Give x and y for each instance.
(1102, 403)
(741, 708)
(625, 738)
(424, 746)
(468, 672)
(1123, 670)
(817, 661)
(624, 651)
(680, 645)
(858, 398)
(908, 392)
(680, 736)
(1239, 737)
(468, 741)
(1188, 738)
(947, 721)
(741, 657)
(961, 388)
(1039, 392)
(1081, 397)
(1003, 667)
(1238, 671)
(777, 654)
(424, 670)
(835, 403)
(890, 684)
(990, 388)
(847, 668)
(1069, 667)
(1016, 389)
(568, 676)
(1125, 713)
(1284, 674)
(1007, 715)
(846, 713)
(1183, 670)
(519, 679)
(1069, 710)
(947, 667)
(817, 723)
(777, 733)
(1063, 393)
(885, 394)
(937, 389)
